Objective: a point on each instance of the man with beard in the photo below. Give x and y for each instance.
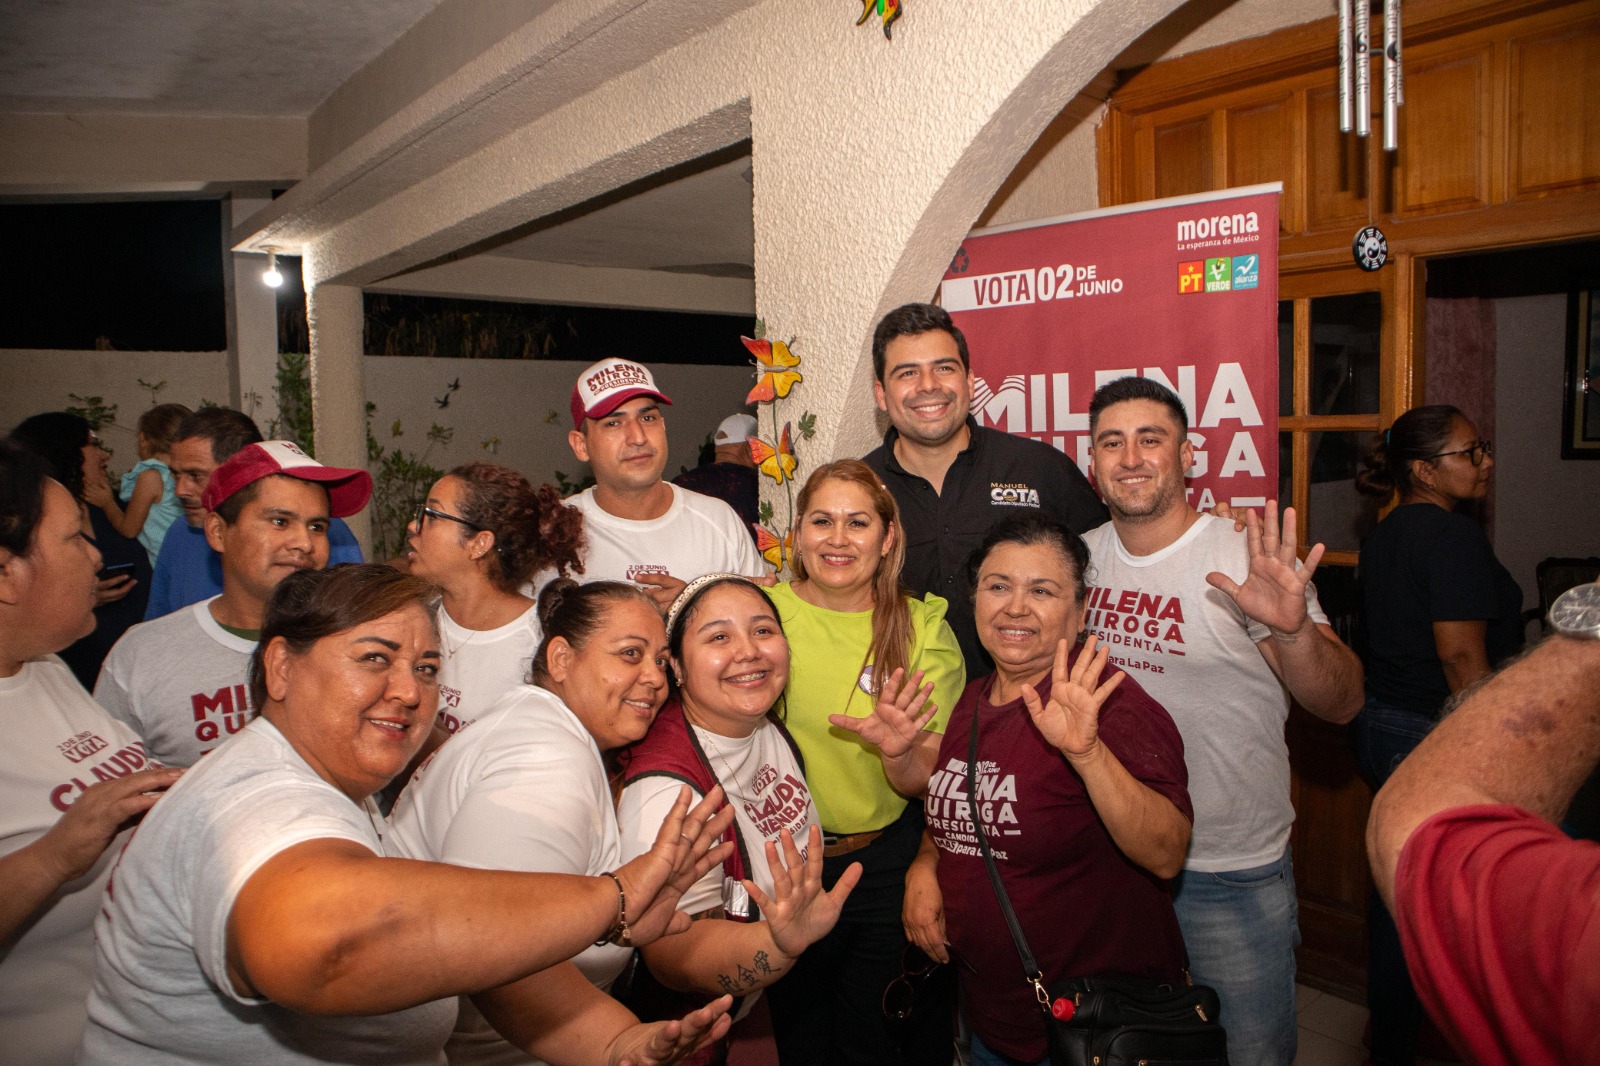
(1222, 628)
(636, 526)
(952, 478)
(180, 681)
(187, 570)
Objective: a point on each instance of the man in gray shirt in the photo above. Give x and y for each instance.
(180, 681)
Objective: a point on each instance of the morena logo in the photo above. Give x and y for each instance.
(1235, 225)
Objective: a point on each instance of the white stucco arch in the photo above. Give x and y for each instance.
(871, 158)
(858, 208)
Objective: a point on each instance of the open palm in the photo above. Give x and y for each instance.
(901, 712)
(1274, 589)
(1070, 720)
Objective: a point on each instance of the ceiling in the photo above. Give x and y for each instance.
(285, 57)
(695, 219)
(180, 57)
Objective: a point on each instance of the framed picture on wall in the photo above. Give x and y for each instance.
(1580, 418)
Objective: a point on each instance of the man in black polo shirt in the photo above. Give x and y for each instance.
(953, 478)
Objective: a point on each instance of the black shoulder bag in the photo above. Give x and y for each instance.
(1109, 1021)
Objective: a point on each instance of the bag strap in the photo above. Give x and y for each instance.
(1030, 969)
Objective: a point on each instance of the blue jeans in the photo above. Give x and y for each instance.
(1241, 928)
(981, 1054)
(1382, 736)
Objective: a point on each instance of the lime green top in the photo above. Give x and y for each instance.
(829, 674)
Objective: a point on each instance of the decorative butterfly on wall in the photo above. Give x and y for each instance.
(776, 364)
(777, 463)
(888, 10)
(772, 549)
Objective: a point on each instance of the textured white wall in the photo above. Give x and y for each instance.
(33, 381)
(871, 158)
(515, 399)
(509, 399)
(1544, 505)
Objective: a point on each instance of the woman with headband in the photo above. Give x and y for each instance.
(723, 728)
(525, 786)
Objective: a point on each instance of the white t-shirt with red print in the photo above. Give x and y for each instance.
(58, 743)
(181, 682)
(698, 535)
(1193, 649)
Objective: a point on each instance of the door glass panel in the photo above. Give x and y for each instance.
(1285, 469)
(1345, 335)
(1285, 357)
(1340, 516)
(1340, 600)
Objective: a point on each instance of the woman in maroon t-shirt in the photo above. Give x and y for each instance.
(1082, 792)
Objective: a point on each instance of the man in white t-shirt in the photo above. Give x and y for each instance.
(182, 681)
(640, 528)
(1222, 628)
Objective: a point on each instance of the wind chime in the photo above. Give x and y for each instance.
(1370, 247)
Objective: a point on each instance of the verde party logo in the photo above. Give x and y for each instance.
(1219, 274)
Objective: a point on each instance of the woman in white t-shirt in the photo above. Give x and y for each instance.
(56, 831)
(525, 787)
(722, 728)
(262, 914)
(482, 535)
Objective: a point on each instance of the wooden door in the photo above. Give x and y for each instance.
(1336, 329)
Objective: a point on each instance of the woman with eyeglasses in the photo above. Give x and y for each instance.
(1440, 612)
(482, 535)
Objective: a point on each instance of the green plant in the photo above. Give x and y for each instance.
(572, 486)
(294, 403)
(400, 480)
(93, 409)
(154, 387)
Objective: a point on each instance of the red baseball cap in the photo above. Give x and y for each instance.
(609, 384)
(348, 490)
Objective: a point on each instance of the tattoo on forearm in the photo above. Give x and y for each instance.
(761, 967)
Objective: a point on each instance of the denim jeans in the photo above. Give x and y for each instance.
(981, 1054)
(1382, 736)
(1241, 928)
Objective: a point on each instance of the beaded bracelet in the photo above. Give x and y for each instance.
(619, 933)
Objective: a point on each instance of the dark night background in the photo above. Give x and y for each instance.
(147, 276)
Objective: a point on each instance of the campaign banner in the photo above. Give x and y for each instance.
(1183, 290)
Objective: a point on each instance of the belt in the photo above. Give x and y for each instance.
(833, 845)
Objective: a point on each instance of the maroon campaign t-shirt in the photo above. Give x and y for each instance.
(1085, 908)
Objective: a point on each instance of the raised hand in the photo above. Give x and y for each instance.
(660, 1043)
(901, 712)
(1274, 591)
(1070, 721)
(684, 849)
(799, 913)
